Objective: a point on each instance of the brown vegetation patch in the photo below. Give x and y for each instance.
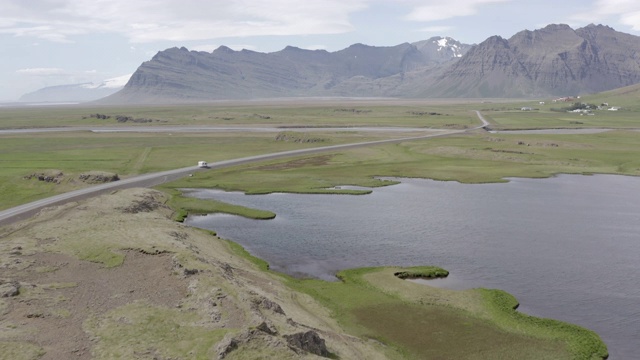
(355, 111)
(299, 138)
(441, 333)
(147, 203)
(53, 305)
(122, 118)
(298, 163)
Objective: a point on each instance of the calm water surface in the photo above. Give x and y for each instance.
(567, 247)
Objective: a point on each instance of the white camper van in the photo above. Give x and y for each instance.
(203, 164)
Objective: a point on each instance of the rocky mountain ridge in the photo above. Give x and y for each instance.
(554, 60)
(178, 74)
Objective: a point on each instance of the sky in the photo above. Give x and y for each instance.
(58, 42)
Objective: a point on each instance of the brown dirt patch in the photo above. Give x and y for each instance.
(59, 293)
(298, 163)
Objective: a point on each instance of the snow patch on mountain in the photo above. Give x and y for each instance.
(113, 83)
(443, 44)
(77, 92)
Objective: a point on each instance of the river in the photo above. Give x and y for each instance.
(567, 247)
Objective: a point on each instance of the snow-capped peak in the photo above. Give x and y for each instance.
(443, 44)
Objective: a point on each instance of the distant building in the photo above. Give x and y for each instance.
(526, 108)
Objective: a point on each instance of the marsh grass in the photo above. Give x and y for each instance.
(184, 206)
(416, 328)
(583, 343)
(418, 272)
(477, 158)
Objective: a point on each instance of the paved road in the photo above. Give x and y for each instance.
(27, 210)
(200, 129)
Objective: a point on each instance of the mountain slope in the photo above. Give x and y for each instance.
(183, 75)
(553, 61)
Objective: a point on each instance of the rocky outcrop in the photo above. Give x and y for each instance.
(50, 177)
(98, 178)
(9, 288)
(309, 342)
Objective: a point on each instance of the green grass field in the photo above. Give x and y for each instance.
(476, 158)
(301, 113)
(126, 154)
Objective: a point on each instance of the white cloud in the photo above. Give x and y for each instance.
(434, 10)
(436, 29)
(42, 72)
(156, 20)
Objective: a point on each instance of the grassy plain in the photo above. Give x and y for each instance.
(314, 113)
(370, 303)
(473, 158)
(127, 154)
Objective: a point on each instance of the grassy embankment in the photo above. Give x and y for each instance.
(423, 322)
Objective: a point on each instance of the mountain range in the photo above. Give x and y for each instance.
(553, 61)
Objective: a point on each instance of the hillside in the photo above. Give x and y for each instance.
(148, 289)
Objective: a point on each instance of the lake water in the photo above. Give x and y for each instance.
(567, 247)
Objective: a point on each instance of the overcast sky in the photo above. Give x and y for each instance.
(57, 42)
